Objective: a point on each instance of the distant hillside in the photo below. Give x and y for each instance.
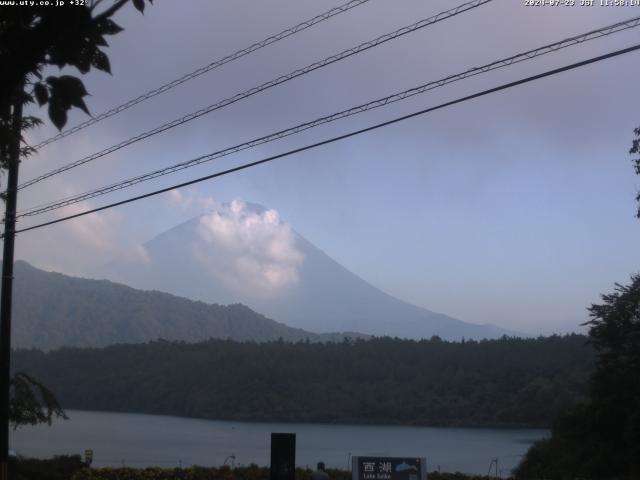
(53, 310)
(506, 382)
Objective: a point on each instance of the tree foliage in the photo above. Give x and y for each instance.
(635, 150)
(73, 468)
(33, 38)
(64, 467)
(505, 382)
(31, 402)
(601, 437)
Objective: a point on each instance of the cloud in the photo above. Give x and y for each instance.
(191, 198)
(135, 254)
(177, 198)
(249, 250)
(95, 230)
(142, 254)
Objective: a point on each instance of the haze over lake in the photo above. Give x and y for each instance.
(141, 440)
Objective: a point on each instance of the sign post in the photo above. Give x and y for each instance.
(283, 456)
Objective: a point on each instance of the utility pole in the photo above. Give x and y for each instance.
(493, 461)
(7, 280)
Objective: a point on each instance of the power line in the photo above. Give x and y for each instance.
(528, 55)
(341, 137)
(272, 83)
(207, 68)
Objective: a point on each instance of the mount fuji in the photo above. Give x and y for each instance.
(245, 253)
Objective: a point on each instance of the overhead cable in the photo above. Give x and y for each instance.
(202, 70)
(520, 57)
(340, 137)
(272, 83)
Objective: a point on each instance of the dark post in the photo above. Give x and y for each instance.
(283, 456)
(7, 283)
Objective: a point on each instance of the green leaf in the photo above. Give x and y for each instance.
(68, 85)
(31, 402)
(79, 103)
(41, 92)
(29, 121)
(139, 4)
(26, 98)
(57, 113)
(84, 59)
(66, 91)
(108, 27)
(101, 61)
(99, 40)
(53, 81)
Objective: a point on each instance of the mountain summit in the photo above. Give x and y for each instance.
(245, 253)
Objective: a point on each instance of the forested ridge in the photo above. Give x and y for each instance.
(505, 382)
(54, 310)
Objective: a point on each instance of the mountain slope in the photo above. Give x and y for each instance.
(53, 310)
(316, 293)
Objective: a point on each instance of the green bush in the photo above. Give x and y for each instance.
(72, 468)
(224, 473)
(57, 468)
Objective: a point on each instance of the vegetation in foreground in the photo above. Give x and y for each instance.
(72, 468)
(600, 438)
(509, 382)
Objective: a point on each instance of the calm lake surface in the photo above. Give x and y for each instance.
(142, 440)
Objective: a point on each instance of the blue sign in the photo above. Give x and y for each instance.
(389, 468)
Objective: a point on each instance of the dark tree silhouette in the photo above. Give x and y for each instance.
(33, 38)
(615, 390)
(505, 382)
(32, 402)
(635, 150)
(600, 438)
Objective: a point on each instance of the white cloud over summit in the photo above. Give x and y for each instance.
(190, 198)
(249, 250)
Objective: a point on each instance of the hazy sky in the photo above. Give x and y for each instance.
(515, 209)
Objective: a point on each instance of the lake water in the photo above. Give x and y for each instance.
(141, 440)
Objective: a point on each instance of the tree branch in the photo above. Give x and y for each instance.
(110, 11)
